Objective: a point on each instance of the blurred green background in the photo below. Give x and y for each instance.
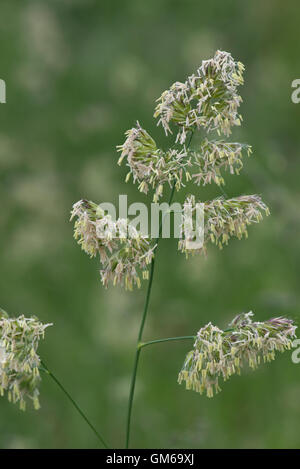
(79, 73)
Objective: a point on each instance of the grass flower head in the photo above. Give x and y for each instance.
(208, 99)
(221, 354)
(125, 254)
(19, 360)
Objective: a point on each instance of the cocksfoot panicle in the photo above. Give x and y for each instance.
(219, 354)
(208, 99)
(19, 361)
(223, 219)
(124, 252)
(151, 166)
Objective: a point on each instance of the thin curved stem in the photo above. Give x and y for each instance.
(138, 348)
(168, 339)
(46, 370)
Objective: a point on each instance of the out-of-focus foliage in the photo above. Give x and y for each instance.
(78, 74)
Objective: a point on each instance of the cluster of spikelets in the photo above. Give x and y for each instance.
(223, 219)
(124, 252)
(19, 361)
(151, 166)
(221, 354)
(215, 155)
(207, 100)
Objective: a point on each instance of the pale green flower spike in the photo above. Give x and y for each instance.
(220, 354)
(151, 166)
(122, 257)
(215, 155)
(207, 100)
(224, 219)
(19, 361)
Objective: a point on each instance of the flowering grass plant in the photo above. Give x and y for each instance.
(207, 102)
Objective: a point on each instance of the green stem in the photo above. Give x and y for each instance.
(131, 394)
(138, 348)
(168, 339)
(46, 370)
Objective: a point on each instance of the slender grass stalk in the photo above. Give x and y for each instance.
(138, 348)
(168, 339)
(48, 372)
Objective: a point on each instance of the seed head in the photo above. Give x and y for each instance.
(124, 252)
(150, 166)
(19, 361)
(208, 99)
(224, 219)
(214, 156)
(219, 354)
